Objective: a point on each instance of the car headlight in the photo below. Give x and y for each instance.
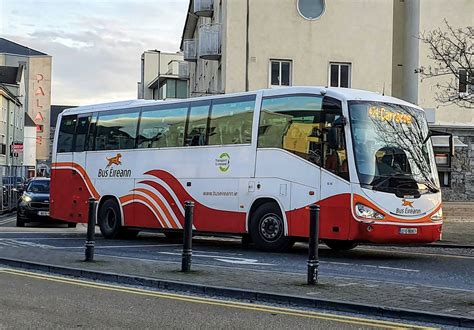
(26, 199)
(438, 216)
(367, 212)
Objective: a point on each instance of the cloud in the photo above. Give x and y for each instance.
(96, 54)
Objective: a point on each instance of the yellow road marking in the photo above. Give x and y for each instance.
(216, 302)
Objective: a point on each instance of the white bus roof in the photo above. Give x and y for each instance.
(345, 94)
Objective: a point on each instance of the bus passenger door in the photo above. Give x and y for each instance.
(80, 179)
(335, 188)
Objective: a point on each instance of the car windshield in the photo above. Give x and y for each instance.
(38, 186)
(390, 149)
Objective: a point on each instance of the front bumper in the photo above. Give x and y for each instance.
(394, 233)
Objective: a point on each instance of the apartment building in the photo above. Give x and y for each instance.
(234, 46)
(163, 75)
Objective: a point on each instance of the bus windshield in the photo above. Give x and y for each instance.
(390, 150)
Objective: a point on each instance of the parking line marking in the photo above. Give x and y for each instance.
(216, 302)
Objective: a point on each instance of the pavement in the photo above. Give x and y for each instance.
(435, 280)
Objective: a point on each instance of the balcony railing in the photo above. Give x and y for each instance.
(183, 70)
(190, 50)
(210, 41)
(203, 7)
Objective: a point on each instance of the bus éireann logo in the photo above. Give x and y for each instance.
(407, 203)
(223, 162)
(114, 160)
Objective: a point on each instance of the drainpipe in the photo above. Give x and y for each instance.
(247, 50)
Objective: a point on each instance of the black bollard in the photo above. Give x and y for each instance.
(187, 237)
(90, 240)
(313, 258)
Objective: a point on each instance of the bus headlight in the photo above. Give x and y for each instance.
(438, 216)
(367, 212)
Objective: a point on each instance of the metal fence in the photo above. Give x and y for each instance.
(13, 180)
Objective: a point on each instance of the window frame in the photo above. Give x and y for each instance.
(349, 78)
(290, 75)
(311, 19)
(86, 138)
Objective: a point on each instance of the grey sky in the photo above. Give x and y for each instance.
(96, 45)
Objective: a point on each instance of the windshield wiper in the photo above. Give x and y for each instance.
(390, 176)
(431, 186)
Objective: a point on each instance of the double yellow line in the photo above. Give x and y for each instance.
(215, 302)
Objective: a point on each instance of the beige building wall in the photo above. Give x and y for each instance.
(459, 14)
(278, 31)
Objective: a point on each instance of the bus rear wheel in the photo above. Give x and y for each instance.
(340, 245)
(110, 220)
(267, 229)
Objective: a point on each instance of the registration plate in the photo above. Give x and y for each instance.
(408, 231)
(43, 213)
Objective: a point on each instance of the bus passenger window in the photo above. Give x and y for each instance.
(162, 127)
(116, 130)
(66, 133)
(196, 134)
(231, 120)
(334, 150)
(293, 123)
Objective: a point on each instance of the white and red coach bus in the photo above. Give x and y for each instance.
(252, 163)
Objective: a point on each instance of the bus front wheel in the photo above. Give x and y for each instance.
(340, 245)
(267, 229)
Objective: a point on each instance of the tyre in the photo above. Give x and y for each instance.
(340, 245)
(20, 222)
(71, 225)
(110, 219)
(267, 229)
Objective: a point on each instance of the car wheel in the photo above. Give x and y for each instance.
(267, 229)
(340, 245)
(110, 220)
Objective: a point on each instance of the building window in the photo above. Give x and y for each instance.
(311, 9)
(340, 75)
(280, 73)
(444, 179)
(466, 82)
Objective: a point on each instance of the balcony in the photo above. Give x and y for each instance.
(209, 44)
(190, 51)
(183, 70)
(204, 8)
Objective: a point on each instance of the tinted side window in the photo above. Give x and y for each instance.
(162, 127)
(196, 133)
(82, 128)
(116, 130)
(66, 133)
(292, 123)
(231, 120)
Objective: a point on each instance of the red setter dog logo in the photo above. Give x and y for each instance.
(114, 160)
(407, 203)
